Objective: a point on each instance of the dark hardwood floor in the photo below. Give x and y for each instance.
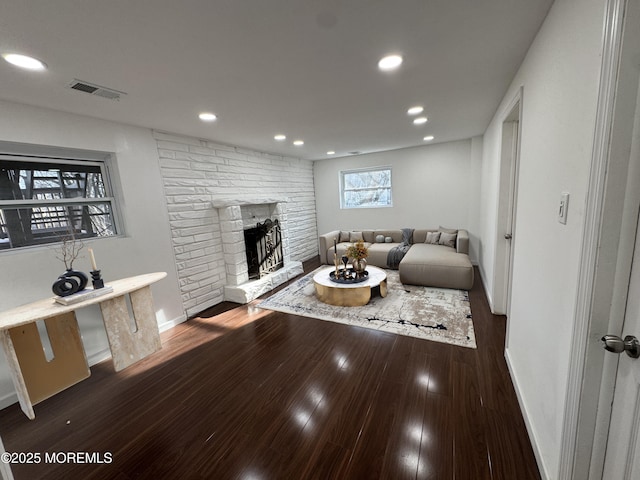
(242, 393)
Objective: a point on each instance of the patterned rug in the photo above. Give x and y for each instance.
(438, 314)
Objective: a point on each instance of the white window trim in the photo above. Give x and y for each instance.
(97, 159)
(342, 173)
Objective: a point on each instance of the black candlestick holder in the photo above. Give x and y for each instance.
(96, 279)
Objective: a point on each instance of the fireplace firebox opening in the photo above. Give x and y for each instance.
(263, 245)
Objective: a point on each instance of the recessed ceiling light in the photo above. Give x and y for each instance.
(298, 143)
(428, 138)
(280, 137)
(420, 120)
(23, 61)
(207, 117)
(417, 110)
(390, 62)
(331, 152)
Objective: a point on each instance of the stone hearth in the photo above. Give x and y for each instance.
(235, 215)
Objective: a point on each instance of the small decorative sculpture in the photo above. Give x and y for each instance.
(96, 279)
(71, 281)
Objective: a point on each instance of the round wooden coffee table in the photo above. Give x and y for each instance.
(349, 294)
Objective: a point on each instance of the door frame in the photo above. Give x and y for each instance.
(511, 133)
(606, 253)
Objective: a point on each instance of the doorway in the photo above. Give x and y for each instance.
(505, 238)
(591, 427)
(622, 454)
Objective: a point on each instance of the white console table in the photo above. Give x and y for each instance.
(36, 379)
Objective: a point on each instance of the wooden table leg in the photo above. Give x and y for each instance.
(127, 346)
(16, 374)
(35, 377)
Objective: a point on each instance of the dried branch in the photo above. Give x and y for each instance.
(69, 249)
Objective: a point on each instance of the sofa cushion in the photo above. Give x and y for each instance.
(378, 253)
(436, 266)
(355, 236)
(433, 238)
(447, 230)
(420, 234)
(447, 239)
(368, 236)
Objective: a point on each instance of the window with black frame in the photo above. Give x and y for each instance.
(44, 200)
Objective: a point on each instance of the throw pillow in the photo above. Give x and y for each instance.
(388, 239)
(447, 239)
(433, 238)
(380, 239)
(344, 237)
(355, 237)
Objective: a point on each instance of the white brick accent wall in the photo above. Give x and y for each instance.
(194, 172)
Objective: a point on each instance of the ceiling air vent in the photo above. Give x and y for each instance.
(97, 90)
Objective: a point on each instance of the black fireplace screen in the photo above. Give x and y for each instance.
(263, 245)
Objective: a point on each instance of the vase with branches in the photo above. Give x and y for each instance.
(71, 281)
(358, 252)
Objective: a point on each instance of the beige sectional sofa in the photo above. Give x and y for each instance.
(428, 264)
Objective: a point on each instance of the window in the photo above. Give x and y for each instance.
(43, 200)
(369, 188)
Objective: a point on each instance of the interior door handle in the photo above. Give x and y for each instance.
(615, 344)
(508, 236)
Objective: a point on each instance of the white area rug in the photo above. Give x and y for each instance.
(438, 314)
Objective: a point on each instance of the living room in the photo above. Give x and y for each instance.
(164, 183)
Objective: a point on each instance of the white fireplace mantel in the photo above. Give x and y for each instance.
(244, 201)
(238, 288)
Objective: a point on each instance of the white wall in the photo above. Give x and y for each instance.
(432, 185)
(26, 275)
(195, 172)
(560, 78)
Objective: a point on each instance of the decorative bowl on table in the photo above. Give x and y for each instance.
(348, 275)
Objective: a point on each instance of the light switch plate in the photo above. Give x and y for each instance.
(564, 208)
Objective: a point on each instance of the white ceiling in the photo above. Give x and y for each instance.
(305, 68)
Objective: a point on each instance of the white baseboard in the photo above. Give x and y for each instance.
(484, 287)
(8, 400)
(164, 326)
(101, 356)
(525, 415)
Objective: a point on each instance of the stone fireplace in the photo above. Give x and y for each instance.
(238, 215)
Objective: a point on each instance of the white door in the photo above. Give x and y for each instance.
(509, 159)
(622, 455)
(512, 201)
(622, 460)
